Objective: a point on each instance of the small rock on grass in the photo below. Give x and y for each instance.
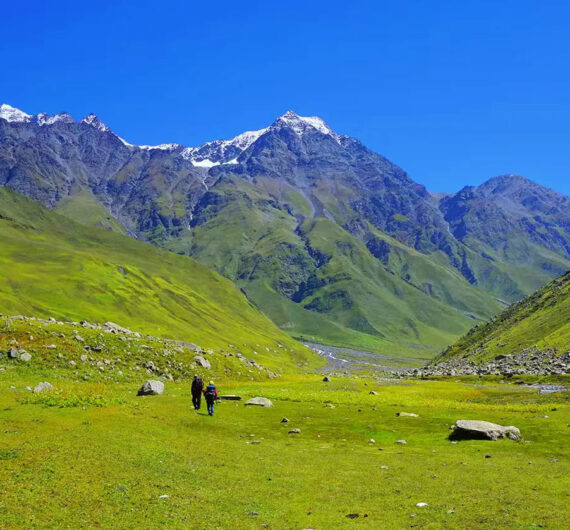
(163, 496)
(401, 442)
(422, 504)
(295, 431)
(285, 420)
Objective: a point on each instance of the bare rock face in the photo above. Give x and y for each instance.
(151, 388)
(482, 430)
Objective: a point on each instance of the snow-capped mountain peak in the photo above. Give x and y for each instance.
(94, 121)
(301, 124)
(207, 155)
(227, 151)
(13, 114)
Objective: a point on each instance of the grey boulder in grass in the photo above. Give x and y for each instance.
(204, 363)
(259, 402)
(151, 388)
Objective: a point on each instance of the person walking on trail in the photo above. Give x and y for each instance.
(210, 393)
(197, 387)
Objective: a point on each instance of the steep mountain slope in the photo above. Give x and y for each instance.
(333, 241)
(539, 322)
(53, 267)
(512, 221)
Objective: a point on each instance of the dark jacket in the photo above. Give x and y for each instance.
(197, 386)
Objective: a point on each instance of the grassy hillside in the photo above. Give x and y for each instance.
(541, 320)
(97, 353)
(51, 266)
(85, 207)
(322, 284)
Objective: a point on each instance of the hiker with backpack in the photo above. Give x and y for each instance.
(197, 387)
(210, 393)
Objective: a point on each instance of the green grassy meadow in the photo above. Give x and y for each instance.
(107, 464)
(92, 454)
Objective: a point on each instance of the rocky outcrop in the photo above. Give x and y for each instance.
(531, 361)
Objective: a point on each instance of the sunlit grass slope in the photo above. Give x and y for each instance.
(542, 320)
(51, 266)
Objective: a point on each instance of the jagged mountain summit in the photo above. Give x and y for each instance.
(333, 241)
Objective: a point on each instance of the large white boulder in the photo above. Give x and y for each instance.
(483, 430)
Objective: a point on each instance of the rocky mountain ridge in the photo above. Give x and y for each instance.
(335, 242)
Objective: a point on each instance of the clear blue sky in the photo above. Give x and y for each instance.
(454, 92)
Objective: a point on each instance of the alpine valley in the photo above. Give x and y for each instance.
(335, 243)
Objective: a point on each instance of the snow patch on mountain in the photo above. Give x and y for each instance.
(162, 147)
(244, 140)
(94, 121)
(13, 114)
(221, 151)
(46, 119)
(204, 163)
